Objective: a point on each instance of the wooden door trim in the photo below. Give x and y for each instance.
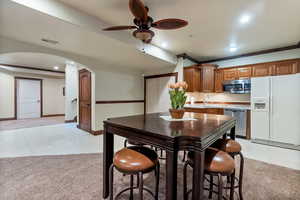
(119, 101)
(175, 74)
(79, 112)
(16, 96)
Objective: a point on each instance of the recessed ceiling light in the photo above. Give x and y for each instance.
(245, 19)
(56, 67)
(164, 44)
(232, 49)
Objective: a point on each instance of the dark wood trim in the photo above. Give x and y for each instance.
(163, 75)
(99, 132)
(266, 51)
(70, 121)
(220, 102)
(155, 76)
(119, 101)
(186, 56)
(32, 68)
(241, 137)
(54, 115)
(41, 93)
(7, 119)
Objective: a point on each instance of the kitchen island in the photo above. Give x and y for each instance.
(240, 111)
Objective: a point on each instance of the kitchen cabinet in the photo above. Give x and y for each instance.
(207, 78)
(229, 74)
(244, 72)
(191, 76)
(285, 67)
(215, 111)
(219, 81)
(262, 70)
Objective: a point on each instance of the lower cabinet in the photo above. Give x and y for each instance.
(216, 111)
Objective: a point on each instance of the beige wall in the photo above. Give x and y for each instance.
(53, 99)
(114, 85)
(6, 95)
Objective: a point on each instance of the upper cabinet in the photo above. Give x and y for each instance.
(244, 72)
(219, 80)
(229, 74)
(200, 78)
(285, 67)
(207, 78)
(262, 70)
(191, 76)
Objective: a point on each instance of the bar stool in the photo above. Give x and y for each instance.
(233, 148)
(135, 160)
(217, 163)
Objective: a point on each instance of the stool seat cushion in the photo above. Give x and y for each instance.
(215, 161)
(228, 145)
(135, 159)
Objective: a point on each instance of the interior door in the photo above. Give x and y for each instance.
(157, 94)
(28, 98)
(85, 100)
(286, 109)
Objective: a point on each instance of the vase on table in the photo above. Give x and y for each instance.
(177, 113)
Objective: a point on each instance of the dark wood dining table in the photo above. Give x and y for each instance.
(172, 136)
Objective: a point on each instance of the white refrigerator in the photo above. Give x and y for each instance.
(275, 108)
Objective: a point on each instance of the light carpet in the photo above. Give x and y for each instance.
(79, 177)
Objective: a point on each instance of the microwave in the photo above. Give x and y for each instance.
(242, 86)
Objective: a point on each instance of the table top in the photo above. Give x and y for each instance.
(202, 127)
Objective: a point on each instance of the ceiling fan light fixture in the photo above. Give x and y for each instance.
(143, 35)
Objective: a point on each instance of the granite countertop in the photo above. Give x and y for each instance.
(224, 106)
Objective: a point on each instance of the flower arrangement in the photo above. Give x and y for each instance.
(178, 98)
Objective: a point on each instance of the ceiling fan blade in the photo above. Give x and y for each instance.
(138, 9)
(168, 24)
(118, 28)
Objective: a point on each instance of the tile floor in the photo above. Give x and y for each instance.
(65, 139)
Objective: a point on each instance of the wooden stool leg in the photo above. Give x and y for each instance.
(220, 189)
(141, 185)
(157, 181)
(111, 182)
(131, 188)
(232, 184)
(241, 176)
(211, 186)
(185, 195)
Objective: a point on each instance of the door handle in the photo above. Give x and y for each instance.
(88, 104)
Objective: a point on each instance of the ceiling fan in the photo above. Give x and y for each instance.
(143, 22)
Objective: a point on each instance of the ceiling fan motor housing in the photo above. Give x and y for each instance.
(144, 35)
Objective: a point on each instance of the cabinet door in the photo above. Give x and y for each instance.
(192, 78)
(287, 67)
(244, 72)
(219, 81)
(229, 74)
(262, 70)
(207, 78)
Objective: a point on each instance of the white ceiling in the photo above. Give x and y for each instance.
(213, 24)
(36, 60)
(30, 26)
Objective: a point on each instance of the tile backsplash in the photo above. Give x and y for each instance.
(218, 97)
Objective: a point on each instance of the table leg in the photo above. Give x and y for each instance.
(108, 153)
(232, 133)
(171, 175)
(198, 176)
